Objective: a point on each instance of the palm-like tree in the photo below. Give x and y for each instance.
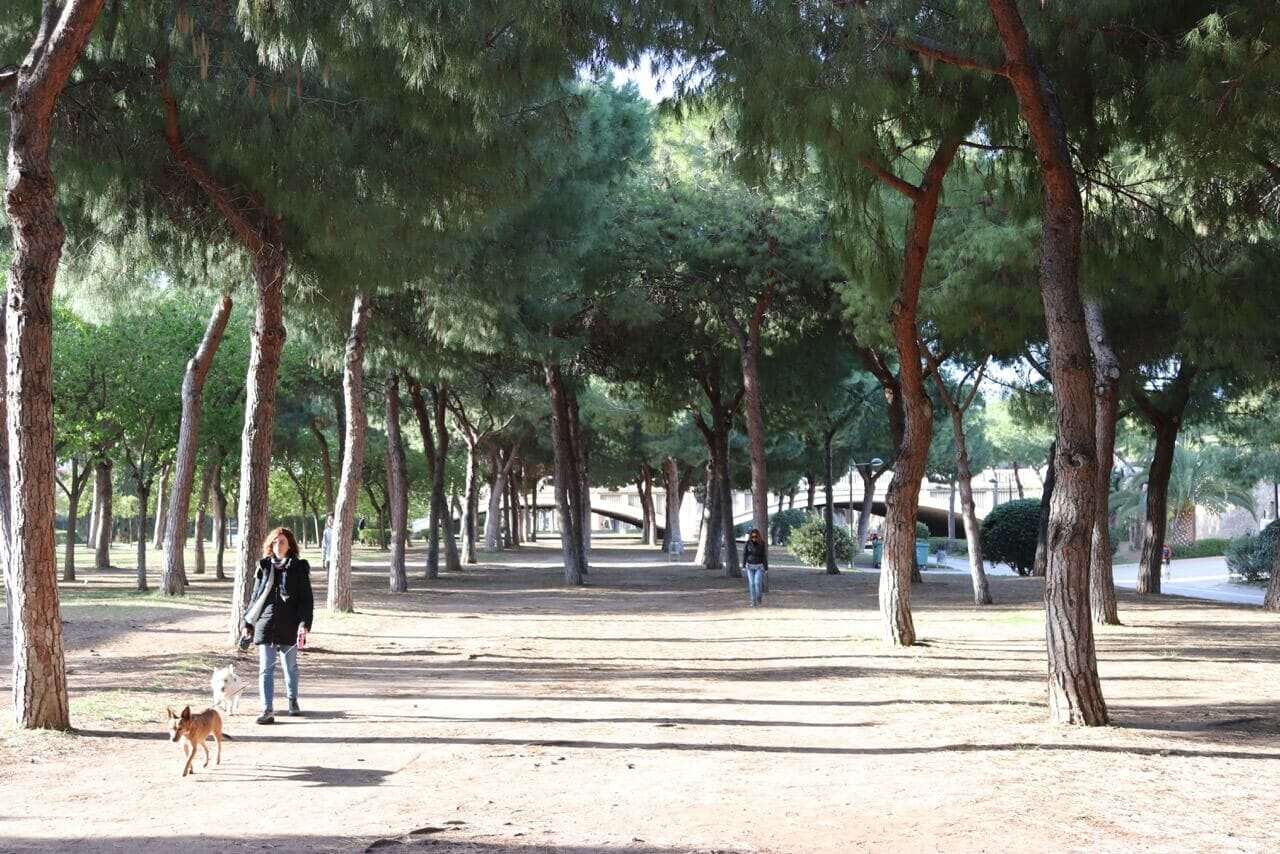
(1196, 480)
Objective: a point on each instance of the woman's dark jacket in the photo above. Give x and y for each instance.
(754, 552)
(289, 606)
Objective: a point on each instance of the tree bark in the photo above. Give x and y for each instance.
(1106, 372)
(828, 512)
(79, 479)
(173, 580)
(1075, 692)
(646, 501)
(219, 518)
(397, 488)
(435, 468)
(6, 532)
(581, 491)
(912, 455)
(106, 523)
(326, 464)
(144, 496)
(868, 478)
(344, 514)
(748, 340)
(1040, 566)
(566, 476)
(470, 503)
(444, 521)
(39, 669)
(202, 516)
(1166, 423)
(500, 463)
(1271, 602)
(162, 508)
(671, 476)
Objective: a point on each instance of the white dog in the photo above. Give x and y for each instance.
(226, 688)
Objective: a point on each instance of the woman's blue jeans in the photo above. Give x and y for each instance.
(267, 654)
(755, 582)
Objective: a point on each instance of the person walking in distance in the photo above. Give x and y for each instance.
(279, 617)
(755, 558)
(326, 543)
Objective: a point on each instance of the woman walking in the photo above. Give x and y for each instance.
(755, 557)
(279, 617)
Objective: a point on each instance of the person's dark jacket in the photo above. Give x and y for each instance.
(289, 606)
(755, 552)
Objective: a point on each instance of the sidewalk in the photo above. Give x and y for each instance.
(1194, 578)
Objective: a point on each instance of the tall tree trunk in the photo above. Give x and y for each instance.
(1075, 692)
(144, 495)
(106, 524)
(39, 668)
(444, 522)
(1106, 370)
(202, 516)
(582, 466)
(435, 467)
(326, 464)
(868, 479)
(671, 476)
(899, 561)
(646, 500)
(497, 490)
(6, 566)
(344, 514)
(1017, 479)
(162, 508)
(1166, 423)
(397, 487)
(828, 511)
(566, 476)
(951, 510)
(219, 518)
(811, 491)
(513, 513)
(267, 344)
(79, 479)
(470, 503)
(723, 426)
(1040, 567)
(184, 468)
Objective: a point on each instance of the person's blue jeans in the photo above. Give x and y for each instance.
(755, 582)
(267, 654)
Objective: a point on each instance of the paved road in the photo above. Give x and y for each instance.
(1194, 578)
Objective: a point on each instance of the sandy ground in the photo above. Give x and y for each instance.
(652, 711)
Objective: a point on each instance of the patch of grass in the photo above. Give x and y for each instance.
(1013, 618)
(125, 706)
(195, 664)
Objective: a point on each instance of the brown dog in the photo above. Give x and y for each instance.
(194, 730)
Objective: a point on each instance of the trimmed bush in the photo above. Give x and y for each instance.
(371, 537)
(782, 523)
(809, 542)
(1251, 557)
(1208, 547)
(1008, 534)
(922, 530)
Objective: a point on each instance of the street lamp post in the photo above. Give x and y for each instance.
(874, 461)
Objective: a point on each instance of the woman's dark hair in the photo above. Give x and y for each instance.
(271, 541)
(755, 531)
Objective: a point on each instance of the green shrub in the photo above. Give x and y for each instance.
(922, 530)
(371, 537)
(1008, 534)
(783, 522)
(809, 542)
(1251, 557)
(1208, 547)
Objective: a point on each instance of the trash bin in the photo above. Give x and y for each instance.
(922, 552)
(877, 552)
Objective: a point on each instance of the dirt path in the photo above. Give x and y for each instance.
(651, 711)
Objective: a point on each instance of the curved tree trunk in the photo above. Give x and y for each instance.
(1271, 602)
(748, 340)
(497, 491)
(1155, 523)
(144, 495)
(79, 479)
(259, 421)
(470, 504)
(326, 464)
(828, 512)
(344, 514)
(397, 488)
(1040, 566)
(646, 500)
(1106, 371)
(202, 516)
(435, 467)
(173, 579)
(219, 520)
(106, 523)
(565, 477)
(162, 508)
(1075, 692)
(868, 503)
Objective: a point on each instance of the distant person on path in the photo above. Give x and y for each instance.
(1166, 554)
(279, 617)
(326, 543)
(755, 557)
